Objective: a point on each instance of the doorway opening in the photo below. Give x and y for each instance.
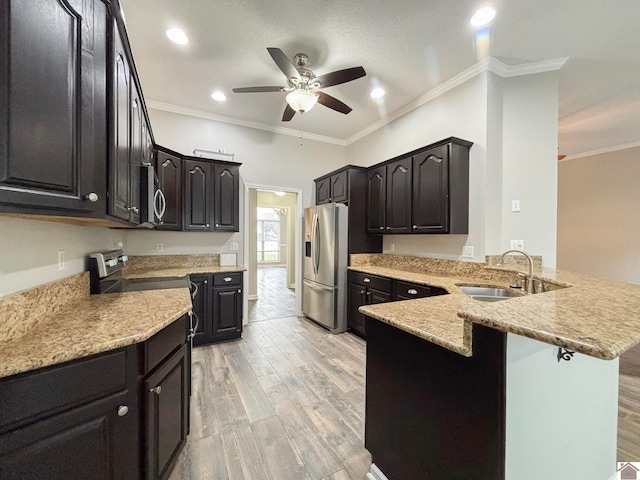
(273, 230)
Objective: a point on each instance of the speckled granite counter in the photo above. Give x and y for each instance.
(61, 321)
(591, 316)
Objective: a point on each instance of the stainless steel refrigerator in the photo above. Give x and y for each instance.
(325, 265)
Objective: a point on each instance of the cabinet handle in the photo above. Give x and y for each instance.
(227, 279)
(156, 390)
(92, 197)
(412, 291)
(123, 410)
(133, 209)
(381, 228)
(367, 280)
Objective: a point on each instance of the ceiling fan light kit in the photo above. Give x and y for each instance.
(304, 86)
(301, 100)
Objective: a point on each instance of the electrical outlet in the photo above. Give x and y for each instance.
(159, 247)
(515, 205)
(392, 247)
(467, 251)
(61, 260)
(233, 246)
(519, 244)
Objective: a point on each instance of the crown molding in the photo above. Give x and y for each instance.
(600, 151)
(491, 64)
(192, 112)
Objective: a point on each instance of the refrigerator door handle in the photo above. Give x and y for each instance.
(318, 287)
(315, 240)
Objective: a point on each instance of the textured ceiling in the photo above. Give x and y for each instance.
(408, 46)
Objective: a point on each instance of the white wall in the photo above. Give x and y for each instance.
(460, 112)
(29, 253)
(599, 215)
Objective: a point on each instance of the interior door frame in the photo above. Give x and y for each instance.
(297, 246)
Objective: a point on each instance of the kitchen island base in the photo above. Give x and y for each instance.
(510, 411)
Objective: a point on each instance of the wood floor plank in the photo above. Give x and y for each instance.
(221, 383)
(259, 363)
(203, 419)
(282, 460)
(341, 475)
(242, 455)
(206, 459)
(287, 372)
(254, 400)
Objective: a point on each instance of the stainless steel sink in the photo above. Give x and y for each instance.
(488, 294)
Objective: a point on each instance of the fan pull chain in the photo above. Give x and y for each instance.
(300, 131)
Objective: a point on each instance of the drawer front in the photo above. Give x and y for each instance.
(35, 395)
(163, 343)
(234, 279)
(411, 290)
(371, 281)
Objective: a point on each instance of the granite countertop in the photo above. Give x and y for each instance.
(61, 321)
(93, 324)
(591, 316)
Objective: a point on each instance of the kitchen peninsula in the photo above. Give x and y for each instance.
(476, 390)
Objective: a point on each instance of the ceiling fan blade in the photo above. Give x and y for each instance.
(333, 103)
(288, 113)
(340, 76)
(283, 62)
(258, 89)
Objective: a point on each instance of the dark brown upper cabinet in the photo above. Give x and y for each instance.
(424, 191)
(53, 107)
(333, 188)
(226, 188)
(376, 199)
(398, 195)
(169, 170)
(198, 195)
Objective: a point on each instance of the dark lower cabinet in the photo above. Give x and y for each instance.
(218, 305)
(118, 415)
(53, 107)
(364, 289)
(166, 415)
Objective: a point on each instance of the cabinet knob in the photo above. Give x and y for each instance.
(217, 225)
(239, 290)
(362, 292)
(415, 226)
(133, 209)
(368, 294)
(412, 291)
(388, 228)
(92, 197)
(381, 228)
(207, 225)
(205, 282)
(156, 390)
(367, 280)
(123, 410)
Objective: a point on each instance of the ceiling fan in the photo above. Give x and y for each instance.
(304, 86)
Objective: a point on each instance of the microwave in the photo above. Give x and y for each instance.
(152, 200)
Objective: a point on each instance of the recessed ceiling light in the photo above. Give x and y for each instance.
(377, 93)
(177, 36)
(483, 16)
(219, 96)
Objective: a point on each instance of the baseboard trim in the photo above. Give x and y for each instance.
(252, 297)
(375, 473)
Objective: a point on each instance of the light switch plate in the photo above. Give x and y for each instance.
(233, 246)
(519, 244)
(515, 205)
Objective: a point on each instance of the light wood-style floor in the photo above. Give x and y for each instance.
(275, 299)
(286, 402)
(629, 407)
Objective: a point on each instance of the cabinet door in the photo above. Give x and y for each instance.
(53, 134)
(202, 308)
(355, 319)
(399, 196)
(226, 205)
(166, 397)
(169, 168)
(227, 312)
(430, 212)
(376, 200)
(198, 196)
(119, 171)
(323, 191)
(377, 296)
(97, 440)
(136, 154)
(340, 187)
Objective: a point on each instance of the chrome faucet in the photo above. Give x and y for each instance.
(530, 279)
